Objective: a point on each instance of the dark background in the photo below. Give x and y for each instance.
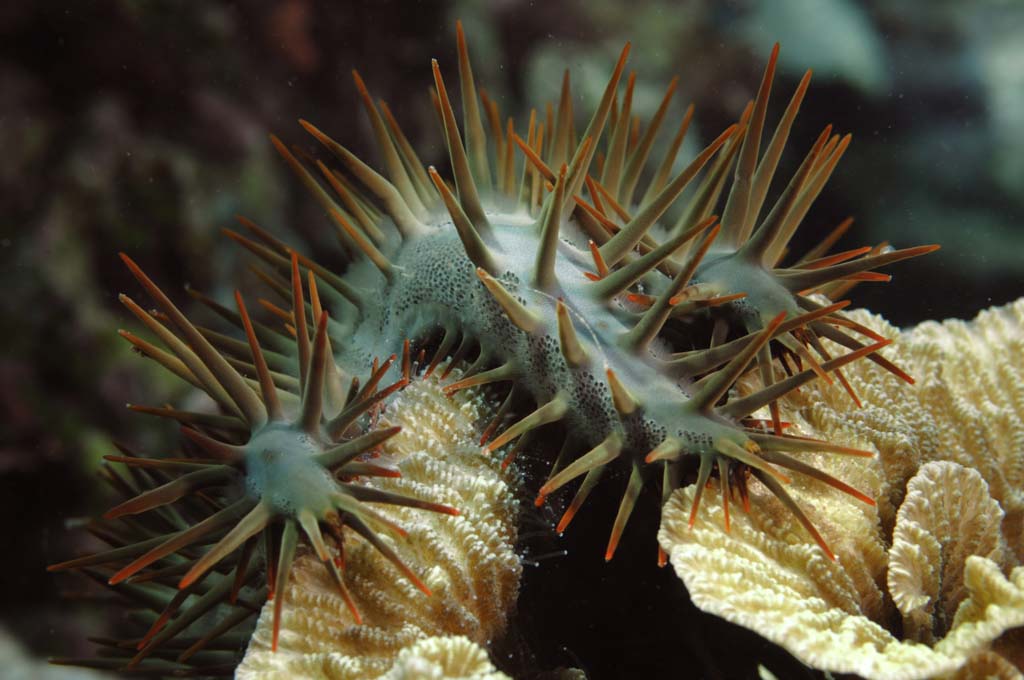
(142, 126)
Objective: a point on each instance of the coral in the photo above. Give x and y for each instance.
(469, 563)
(946, 517)
(948, 477)
(440, 658)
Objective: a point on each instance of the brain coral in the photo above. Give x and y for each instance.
(928, 584)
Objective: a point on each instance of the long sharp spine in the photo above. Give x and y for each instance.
(312, 398)
(770, 159)
(472, 243)
(544, 270)
(602, 454)
(633, 488)
(757, 246)
(309, 181)
(722, 380)
(639, 157)
(409, 155)
(735, 215)
(585, 151)
(396, 170)
(363, 219)
(661, 176)
(669, 449)
(619, 280)
(569, 341)
(514, 309)
(406, 221)
(243, 396)
(611, 177)
(625, 403)
(651, 322)
(270, 400)
(560, 133)
(468, 196)
(632, 233)
(366, 247)
(550, 412)
(476, 140)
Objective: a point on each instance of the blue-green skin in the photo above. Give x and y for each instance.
(436, 287)
(280, 471)
(733, 272)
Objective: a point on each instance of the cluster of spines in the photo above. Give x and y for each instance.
(625, 250)
(175, 506)
(558, 166)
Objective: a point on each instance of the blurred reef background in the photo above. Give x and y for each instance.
(142, 126)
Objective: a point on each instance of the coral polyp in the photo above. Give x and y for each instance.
(543, 272)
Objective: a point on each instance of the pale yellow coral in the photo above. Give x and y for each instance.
(444, 658)
(936, 559)
(468, 562)
(947, 517)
